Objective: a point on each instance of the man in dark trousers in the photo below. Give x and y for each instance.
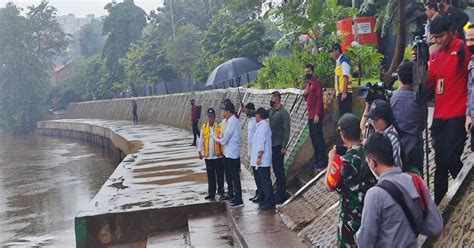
(212, 152)
(313, 94)
(194, 121)
(231, 143)
(447, 77)
(342, 80)
(135, 111)
(280, 127)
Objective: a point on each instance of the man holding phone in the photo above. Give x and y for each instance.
(356, 180)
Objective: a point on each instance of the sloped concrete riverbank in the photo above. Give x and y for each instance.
(159, 187)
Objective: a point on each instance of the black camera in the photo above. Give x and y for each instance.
(372, 92)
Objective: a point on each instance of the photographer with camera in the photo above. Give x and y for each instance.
(409, 117)
(447, 77)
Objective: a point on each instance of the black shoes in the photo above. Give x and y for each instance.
(236, 204)
(253, 198)
(210, 197)
(223, 198)
(193, 144)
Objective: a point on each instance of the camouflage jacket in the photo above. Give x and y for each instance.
(356, 179)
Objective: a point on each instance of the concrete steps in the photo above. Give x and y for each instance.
(211, 230)
(175, 238)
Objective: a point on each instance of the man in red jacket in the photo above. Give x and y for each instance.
(447, 76)
(313, 94)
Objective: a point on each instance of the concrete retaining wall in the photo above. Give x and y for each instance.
(174, 110)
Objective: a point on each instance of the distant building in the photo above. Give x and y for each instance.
(72, 24)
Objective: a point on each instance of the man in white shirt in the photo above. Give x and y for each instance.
(261, 158)
(211, 151)
(251, 127)
(231, 142)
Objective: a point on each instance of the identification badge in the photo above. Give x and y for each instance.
(440, 86)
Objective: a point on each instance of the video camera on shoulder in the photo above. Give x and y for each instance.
(372, 92)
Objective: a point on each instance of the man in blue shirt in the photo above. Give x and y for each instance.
(231, 142)
(408, 118)
(261, 158)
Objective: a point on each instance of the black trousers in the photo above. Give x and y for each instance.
(266, 186)
(195, 132)
(346, 105)
(215, 174)
(279, 170)
(258, 192)
(135, 116)
(449, 137)
(232, 170)
(317, 139)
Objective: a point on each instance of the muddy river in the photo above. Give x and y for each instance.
(44, 181)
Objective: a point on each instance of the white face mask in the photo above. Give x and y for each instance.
(373, 171)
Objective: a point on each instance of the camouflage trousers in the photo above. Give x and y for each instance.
(346, 230)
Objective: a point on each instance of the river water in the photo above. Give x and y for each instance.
(44, 182)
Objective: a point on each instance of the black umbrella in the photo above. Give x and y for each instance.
(232, 69)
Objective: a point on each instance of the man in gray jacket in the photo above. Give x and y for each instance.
(390, 219)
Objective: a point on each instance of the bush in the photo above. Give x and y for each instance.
(287, 72)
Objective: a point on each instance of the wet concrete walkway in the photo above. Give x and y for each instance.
(160, 180)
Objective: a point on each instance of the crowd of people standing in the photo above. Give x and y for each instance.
(384, 200)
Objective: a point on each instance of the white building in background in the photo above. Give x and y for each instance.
(72, 24)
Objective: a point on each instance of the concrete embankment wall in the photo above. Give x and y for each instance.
(174, 110)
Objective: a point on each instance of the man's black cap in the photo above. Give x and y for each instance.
(229, 107)
(348, 122)
(262, 112)
(380, 109)
(211, 111)
(192, 100)
(337, 46)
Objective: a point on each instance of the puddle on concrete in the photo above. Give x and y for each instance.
(165, 173)
(162, 167)
(137, 204)
(193, 177)
(165, 160)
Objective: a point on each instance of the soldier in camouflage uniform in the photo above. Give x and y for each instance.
(356, 179)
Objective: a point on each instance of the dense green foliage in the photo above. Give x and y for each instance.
(27, 45)
(365, 61)
(91, 40)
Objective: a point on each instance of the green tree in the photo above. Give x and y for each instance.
(23, 80)
(226, 39)
(146, 63)
(47, 35)
(122, 26)
(183, 52)
(91, 40)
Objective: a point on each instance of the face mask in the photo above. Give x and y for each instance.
(373, 172)
(308, 76)
(471, 49)
(272, 103)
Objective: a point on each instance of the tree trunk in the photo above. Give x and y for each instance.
(400, 45)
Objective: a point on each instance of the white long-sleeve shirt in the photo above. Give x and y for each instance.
(231, 140)
(262, 142)
(252, 126)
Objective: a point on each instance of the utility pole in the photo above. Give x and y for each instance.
(172, 21)
(355, 26)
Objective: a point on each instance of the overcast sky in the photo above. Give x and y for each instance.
(83, 7)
